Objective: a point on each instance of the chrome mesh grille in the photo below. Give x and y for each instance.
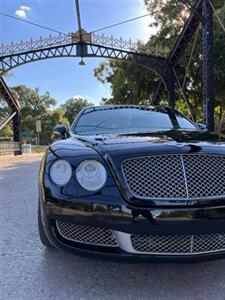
(178, 244)
(176, 176)
(86, 234)
(205, 175)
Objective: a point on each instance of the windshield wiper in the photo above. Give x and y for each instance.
(143, 132)
(92, 128)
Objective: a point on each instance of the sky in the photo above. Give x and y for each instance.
(63, 77)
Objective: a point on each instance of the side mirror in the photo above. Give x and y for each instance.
(61, 131)
(201, 126)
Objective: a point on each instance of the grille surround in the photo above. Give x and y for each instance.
(179, 244)
(176, 176)
(85, 234)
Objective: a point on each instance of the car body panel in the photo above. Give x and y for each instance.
(114, 206)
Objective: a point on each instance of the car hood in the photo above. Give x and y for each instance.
(115, 149)
(166, 141)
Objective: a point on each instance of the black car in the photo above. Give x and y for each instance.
(134, 182)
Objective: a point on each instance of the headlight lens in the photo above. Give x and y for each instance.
(91, 175)
(60, 172)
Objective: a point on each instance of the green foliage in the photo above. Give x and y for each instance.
(6, 131)
(133, 84)
(35, 107)
(31, 102)
(130, 83)
(73, 106)
(41, 107)
(49, 121)
(4, 109)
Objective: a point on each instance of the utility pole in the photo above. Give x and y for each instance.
(81, 47)
(208, 66)
(38, 130)
(79, 20)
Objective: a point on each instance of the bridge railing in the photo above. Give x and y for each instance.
(34, 44)
(63, 39)
(111, 41)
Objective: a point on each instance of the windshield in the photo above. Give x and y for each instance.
(125, 120)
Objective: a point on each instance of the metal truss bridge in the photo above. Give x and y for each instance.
(71, 38)
(83, 44)
(70, 45)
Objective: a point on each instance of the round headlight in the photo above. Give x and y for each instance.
(91, 175)
(60, 172)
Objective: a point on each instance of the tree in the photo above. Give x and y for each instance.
(35, 106)
(6, 131)
(73, 106)
(49, 121)
(131, 84)
(134, 85)
(32, 103)
(4, 112)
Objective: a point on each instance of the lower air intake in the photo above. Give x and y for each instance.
(86, 234)
(178, 244)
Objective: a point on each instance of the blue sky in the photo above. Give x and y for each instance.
(64, 78)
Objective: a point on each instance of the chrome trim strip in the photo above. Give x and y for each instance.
(124, 241)
(185, 176)
(192, 243)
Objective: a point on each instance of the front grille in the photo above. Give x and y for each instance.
(178, 244)
(176, 176)
(86, 234)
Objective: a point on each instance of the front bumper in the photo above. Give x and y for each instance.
(125, 222)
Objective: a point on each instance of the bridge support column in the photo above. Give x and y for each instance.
(17, 133)
(170, 83)
(81, 49)
(208, 72)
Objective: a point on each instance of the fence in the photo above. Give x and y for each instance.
(7, 148)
